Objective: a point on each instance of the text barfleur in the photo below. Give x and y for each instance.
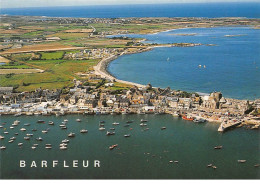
(56, 163)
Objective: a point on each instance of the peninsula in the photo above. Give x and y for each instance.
(58, 66)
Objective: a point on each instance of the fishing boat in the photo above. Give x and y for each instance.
(187, 118)
(218, 147)
(127, 135)
(241, 161)
(113, 146)
(40, 121)
(2, 148)
(102, 128)
(83, 131)
(115, 123)
(163, 128)
(22, 129)
(71, 134)
(78, 120)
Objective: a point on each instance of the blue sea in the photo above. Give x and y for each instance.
(231, 64)
(210, 10)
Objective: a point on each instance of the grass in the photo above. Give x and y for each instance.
(59, 74)
(52, 55)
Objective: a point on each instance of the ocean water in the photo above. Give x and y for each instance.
(144, 155)
(211, 10)
(232, 65)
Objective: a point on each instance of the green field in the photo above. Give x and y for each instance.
(59, 74)
(52, 55)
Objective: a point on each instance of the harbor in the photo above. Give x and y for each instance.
(144, 150)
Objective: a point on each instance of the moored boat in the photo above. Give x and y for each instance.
(40, 121)
(113, 146)
(71, 134)
(127, 135)
(102, 128)
(241, 161)
(2, 148)
(83, 131)
(187, 118)
(218, 147)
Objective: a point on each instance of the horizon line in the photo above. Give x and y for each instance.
(223, 2)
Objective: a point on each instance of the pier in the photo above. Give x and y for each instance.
(227, 124)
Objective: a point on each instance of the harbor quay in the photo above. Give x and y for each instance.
(90, 100)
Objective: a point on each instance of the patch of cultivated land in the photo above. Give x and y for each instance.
(39, 48)
(19, 71)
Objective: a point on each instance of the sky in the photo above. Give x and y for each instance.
(47, 3)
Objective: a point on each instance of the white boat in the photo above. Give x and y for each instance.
(63, 144)
(83, 131)
(63, 147)
(71, 134)
(18, 114)
(12, 138)
(2, 148)
(51, 123)
(44, 131)
(127, 135)
(16, 122)
(102, 128)
(65, 120)
(6, 132)
(26, 138)
(11, 127)
(241, 161)
(143, 120)
(29, 113)
(115, 123)
(33, 147)
(78, 120)
(65, 141)
(143, 124)
(36, 145)
(62, 125)
(2, 137)
(39, 139)
(22, 129)
(20, 144)
(48, 147)
(1, 126)
(10, 141)
(29, 134)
